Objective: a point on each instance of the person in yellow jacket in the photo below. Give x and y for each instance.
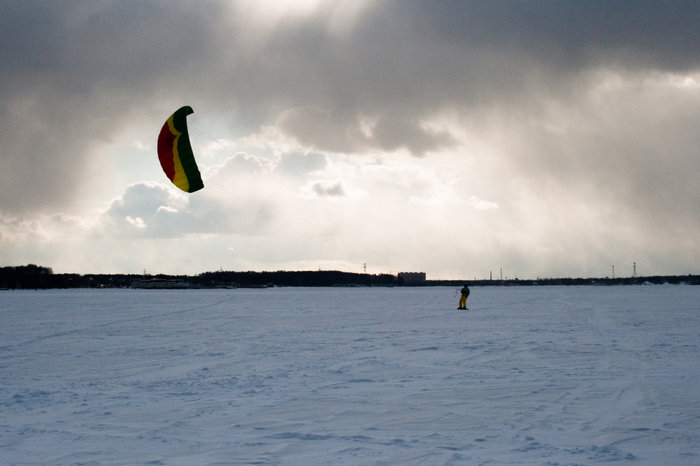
(463, 298)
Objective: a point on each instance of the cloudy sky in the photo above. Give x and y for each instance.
(543, 138)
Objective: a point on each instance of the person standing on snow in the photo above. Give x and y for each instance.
(463, 298)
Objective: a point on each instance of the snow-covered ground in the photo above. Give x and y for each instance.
(531, 375)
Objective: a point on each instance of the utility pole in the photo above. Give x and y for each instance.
(634, 270)
(613, 272)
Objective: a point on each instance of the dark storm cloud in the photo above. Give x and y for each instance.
(73, 71)
(570, 34)
(77, 46)
(404, 62)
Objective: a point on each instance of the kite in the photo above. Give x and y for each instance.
(175, 152)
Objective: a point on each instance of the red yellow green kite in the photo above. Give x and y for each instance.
(175, 152)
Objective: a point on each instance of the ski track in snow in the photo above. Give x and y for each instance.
(371, 376)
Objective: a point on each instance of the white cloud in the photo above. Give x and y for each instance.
(482, 204)
(138, 222)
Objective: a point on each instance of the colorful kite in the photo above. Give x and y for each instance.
(175, 152)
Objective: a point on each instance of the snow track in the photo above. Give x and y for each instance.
(542, 375)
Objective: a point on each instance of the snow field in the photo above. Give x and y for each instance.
(531, 375)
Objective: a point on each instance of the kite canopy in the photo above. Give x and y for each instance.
(175, 152)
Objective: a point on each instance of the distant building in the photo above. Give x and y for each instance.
(412, 278)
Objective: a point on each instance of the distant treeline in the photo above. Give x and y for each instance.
(283, 278)
(652, 280)
(37, 277)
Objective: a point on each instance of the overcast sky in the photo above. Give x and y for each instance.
(543, 138)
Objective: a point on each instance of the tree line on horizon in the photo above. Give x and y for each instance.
(37, 277)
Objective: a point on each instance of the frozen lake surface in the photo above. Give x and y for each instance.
(358, 376)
